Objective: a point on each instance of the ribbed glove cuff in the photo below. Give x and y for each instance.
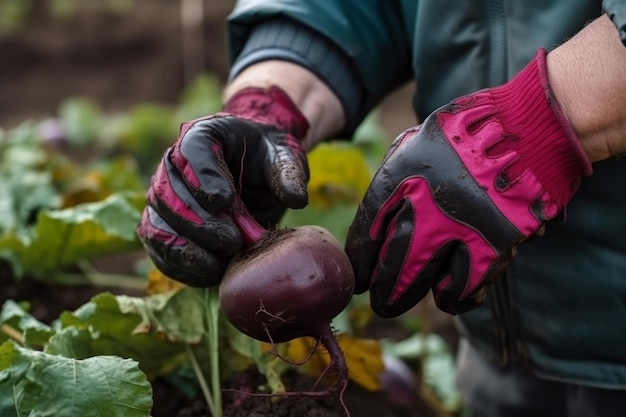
(270, 106)
(540, 132)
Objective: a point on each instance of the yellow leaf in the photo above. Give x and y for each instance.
(339, 173)
(364, 358)
(158, 283)
(359, 315)
(84, 189)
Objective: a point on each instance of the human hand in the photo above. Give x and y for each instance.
(456, 195)
(251, 149)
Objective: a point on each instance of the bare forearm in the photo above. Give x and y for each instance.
(589, 81)
(314, 99)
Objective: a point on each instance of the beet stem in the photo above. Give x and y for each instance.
(251, 231)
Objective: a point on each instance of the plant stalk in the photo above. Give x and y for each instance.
(211, 389)
(13, 333)
(206, 391)
(212, 340)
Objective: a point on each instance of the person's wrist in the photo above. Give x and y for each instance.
(587, 78)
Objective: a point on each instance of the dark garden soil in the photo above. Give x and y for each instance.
(119, 60)
(358, 402)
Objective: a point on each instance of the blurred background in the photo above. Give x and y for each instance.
(118, 53)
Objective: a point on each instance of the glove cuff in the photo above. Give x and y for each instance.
(540, 132)
(270, 106)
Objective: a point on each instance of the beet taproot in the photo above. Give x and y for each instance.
(288, 283)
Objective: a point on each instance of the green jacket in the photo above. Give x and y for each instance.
(560, 308)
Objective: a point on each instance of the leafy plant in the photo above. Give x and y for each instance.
(56, 212)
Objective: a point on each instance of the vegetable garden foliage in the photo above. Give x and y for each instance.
(72, 191)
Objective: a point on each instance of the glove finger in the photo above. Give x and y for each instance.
(455, 306)
(174, 202)
(175, 256)
(473, 265)
(286, 169)
(449, 287)
(210, 148)
(420, 241)
(366, 234)
(198, 156)
(407, 265)
(362, 247)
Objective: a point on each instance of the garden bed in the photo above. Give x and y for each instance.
(47, 302)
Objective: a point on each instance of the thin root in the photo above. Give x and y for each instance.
(337, 364)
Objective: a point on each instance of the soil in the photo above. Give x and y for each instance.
(357, 401)
(147, 55)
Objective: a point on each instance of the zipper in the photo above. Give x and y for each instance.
(498, 68)
(503, 317)
(498, 74)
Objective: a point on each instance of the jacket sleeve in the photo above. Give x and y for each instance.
(616, 9)
(287, 40)
(368, 33)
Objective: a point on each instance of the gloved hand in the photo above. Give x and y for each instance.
(456, 195)
(251, 149)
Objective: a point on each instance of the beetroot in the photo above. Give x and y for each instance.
(287, 284)
(292, 284)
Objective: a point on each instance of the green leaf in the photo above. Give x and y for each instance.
(99, 180)
(147, 131)
(269, 365)
(162, 313)
(438, 364)
(100, 327)
(61, 9)
(372, 140)
(26, 186)
(202, 97)
(336, 218)
(63, 237)
(14, 14)
(15, 316)
(39, 384)
(81, 119)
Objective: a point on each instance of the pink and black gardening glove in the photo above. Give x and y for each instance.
(252, 149)
(456, 195)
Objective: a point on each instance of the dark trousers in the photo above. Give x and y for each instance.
(493, 391)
